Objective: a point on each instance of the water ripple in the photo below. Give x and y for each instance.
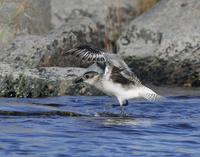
(93, 126)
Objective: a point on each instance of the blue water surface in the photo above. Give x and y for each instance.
(93, 127)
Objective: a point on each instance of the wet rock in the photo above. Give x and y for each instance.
(41, 82)
(163, 43)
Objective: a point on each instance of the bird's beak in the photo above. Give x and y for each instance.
(78, 80)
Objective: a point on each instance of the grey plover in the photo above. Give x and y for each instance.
(115, 78)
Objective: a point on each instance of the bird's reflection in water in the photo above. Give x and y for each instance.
(112, 119)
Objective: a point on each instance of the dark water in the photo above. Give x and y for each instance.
(92, 126)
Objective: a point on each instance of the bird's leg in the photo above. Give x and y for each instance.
(125, 103)
(123, 113)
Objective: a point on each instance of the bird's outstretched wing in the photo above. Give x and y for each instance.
(92, 54)
(88, 53)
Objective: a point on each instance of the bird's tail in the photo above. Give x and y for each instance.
(149, 94)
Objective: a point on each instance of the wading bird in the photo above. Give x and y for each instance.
(115, 77)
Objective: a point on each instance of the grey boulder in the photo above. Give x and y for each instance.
(164, 43)
(42, 82)
(37, 66)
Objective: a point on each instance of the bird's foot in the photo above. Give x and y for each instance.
(123, 112)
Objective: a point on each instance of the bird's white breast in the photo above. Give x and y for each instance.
(118, 90)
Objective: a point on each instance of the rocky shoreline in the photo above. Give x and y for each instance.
(162, 46)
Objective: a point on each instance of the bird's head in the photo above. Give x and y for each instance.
(89, 77)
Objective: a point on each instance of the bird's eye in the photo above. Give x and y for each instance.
(87, 76)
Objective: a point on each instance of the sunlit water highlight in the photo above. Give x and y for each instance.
(92, 126)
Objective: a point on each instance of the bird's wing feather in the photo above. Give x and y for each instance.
(123, 77)
(149, 94)
(92, 54)
(121, 67)
(117, 77)
(88, 53)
